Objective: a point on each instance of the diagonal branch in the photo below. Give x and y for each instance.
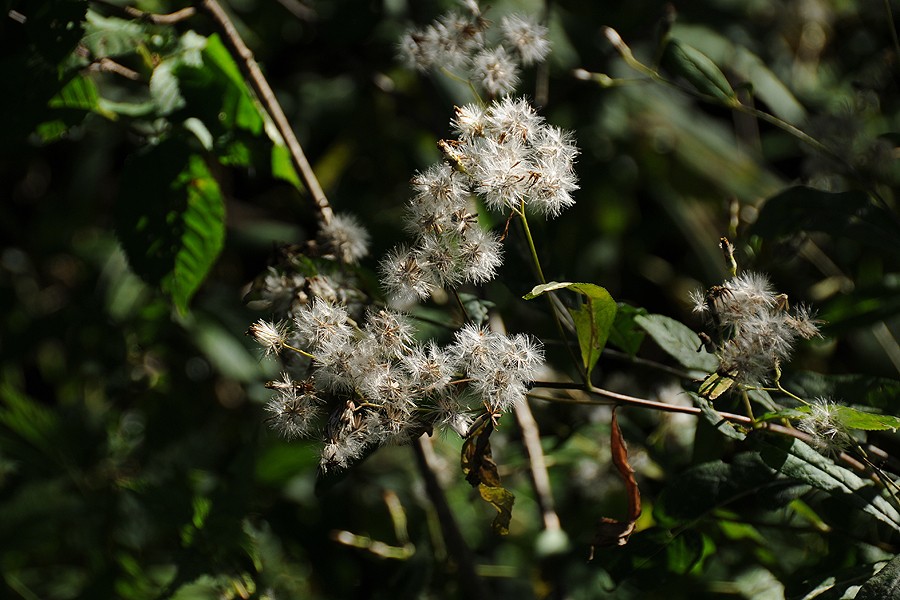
(259, 84)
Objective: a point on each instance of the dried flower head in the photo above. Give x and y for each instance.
(757, 331)
(271, 336)
(527, 37)
(823, 424)
(346, 238)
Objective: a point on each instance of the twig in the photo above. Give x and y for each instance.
(531, 436)
(259, 84)
(298, 9)
(107, 65)
(156, 19)
(690, 410)
(469, 580)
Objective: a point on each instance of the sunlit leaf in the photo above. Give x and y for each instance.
(170, 219)
(593, 319)
(715, 385)
(112, 36)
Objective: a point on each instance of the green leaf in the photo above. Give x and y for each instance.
(747, 479)
(852, 418)
(884, 584)
(111, 36)
(593, 319)
(283, 166)
(797, 460)
(698, 69)
(33, 62)
(236, 105)
(847, 215)
(624, 333)
(68, 107)
(30, 420)
(170, 219)
(679, 341)
(164, 87)
(79, 93)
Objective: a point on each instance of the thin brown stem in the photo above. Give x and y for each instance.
(531, 437)
(262, 89)
(469, 581)
(626, 400)
(157, 19)
(108, 65)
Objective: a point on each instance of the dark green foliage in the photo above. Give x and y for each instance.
(140, 173)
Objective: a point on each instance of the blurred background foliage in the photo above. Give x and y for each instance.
(134, 459)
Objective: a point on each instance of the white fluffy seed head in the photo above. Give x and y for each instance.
(495, 71)
(322, 326)
(405, 277)
(824, 425)
(527, 37)
(271, 336)
(346, 238)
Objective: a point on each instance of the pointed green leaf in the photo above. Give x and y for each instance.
(624, 333)
(853, 418)
(170, 219)
(79, 93)
(593, 319)
(111, 36)
(283, 166)
(797, 460)
(679, 341)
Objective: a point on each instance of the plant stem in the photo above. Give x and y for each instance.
(550, 298)
(688, 410)
(534, 254)
(540, 479)
(469, 581)
(298, 351)
(270, 102)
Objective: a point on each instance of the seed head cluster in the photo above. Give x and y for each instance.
(458, 41)
(825, 427)
(757, 330)
(379, 385)
(505, 154)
